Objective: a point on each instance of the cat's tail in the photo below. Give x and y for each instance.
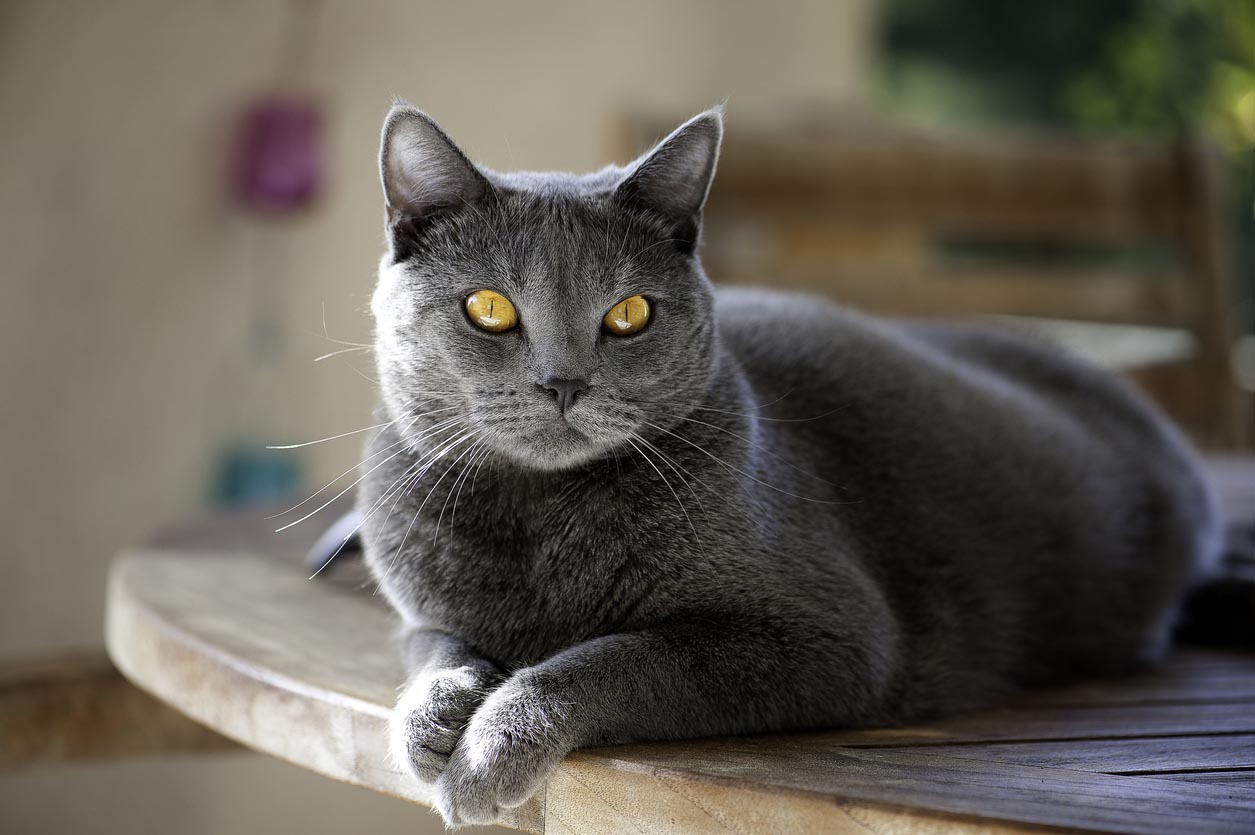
(1221, 612)
(343, 539)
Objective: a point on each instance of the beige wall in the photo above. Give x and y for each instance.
(127, 277)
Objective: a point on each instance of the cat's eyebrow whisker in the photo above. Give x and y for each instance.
(331, 438)
(645, 249)
(364, 375)
(697, 538)
(342, 351)
(750, 476)
(332, 339)
(496, 233)
(618, 259)
(327, 336)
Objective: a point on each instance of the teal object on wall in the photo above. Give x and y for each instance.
(248, 475)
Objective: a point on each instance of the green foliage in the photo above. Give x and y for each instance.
(1113, 66)
(1128, 68)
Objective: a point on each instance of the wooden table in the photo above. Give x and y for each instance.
(221, 622)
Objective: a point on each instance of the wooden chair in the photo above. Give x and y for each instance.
(1062, 231)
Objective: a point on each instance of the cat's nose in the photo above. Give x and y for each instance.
(564, 390)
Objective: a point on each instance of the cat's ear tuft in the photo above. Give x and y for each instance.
(423, 172)
(674, 178)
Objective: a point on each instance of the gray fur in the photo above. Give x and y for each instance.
(766, 513)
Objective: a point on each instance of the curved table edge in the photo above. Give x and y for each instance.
(211, 688)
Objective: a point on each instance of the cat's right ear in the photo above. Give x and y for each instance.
(673, 179)
(424, 174)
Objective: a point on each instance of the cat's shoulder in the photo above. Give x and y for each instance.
(762, 308)
(753, 320)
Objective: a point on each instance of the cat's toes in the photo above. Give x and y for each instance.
(510, 747)
(431, 715)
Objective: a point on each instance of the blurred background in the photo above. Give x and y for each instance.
(190, 217)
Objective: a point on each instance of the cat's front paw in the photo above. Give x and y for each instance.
(432, 714)
(511, 746)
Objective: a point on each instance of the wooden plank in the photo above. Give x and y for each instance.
(1107, 296)
(245, 643)
(1078, 800)
(586, 798)
(1170, 684)
(302, 670)
(1188, 659)
(1084, 192)
(1203, 217)
(1059, 723)
(1234, 478)
(1229, 779)
(1118, 756)
(79, 706)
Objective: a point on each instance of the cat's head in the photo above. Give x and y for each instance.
(551, 314)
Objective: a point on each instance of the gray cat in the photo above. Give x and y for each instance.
(613, 503)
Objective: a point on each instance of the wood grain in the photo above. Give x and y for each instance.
(1148, 755)
(77, 706)
(239, 639)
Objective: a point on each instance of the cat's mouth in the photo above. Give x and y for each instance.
(562, 425)
(563, 440)
(536, 434)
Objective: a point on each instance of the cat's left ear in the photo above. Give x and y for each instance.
(674, 178)
(424, 174)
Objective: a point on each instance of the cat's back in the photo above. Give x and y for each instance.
(825, 352)
(945, 404)
(1065, 502)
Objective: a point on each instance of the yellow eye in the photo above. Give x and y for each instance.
(491, 311)
(627, 317)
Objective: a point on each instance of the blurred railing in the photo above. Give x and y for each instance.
(903, 222)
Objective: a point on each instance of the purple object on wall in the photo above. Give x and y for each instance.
(279, 163)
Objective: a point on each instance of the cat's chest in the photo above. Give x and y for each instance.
(524, 574)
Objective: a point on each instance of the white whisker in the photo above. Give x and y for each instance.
(673, 464)
(362, 463)
(404, 446)
(471, 450)
(398, 488)
(753, 478)
(332, 438)
(342, 351)
(759, 447)
(443, 452)
(697, 539)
